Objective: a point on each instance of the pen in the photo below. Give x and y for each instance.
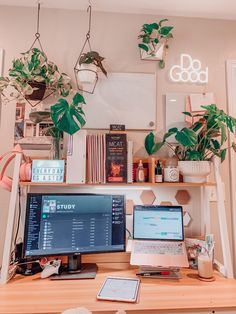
(163, 273)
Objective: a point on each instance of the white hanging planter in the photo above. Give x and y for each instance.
(87, 73)
(194, 171)
(157, 55)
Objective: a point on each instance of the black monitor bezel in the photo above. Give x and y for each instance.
(71, 253)
(153, 207)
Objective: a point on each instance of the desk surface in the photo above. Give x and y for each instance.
(34, 295)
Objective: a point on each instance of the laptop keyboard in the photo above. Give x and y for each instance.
(158, 248)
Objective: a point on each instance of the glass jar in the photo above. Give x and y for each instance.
(55, 149)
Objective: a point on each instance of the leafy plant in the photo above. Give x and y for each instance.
(94, 58)
(66, 117)
(202, 140)
(34, 66)
(153, 35)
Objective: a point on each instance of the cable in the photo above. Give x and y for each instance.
(19, 215)
(130, 236)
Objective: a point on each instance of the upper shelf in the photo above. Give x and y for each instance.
(169, 184)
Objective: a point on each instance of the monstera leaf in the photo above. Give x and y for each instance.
(68, 117)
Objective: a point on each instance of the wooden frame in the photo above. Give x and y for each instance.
(231, 98)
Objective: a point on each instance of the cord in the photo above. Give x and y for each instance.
(130, 235)
(19, 215)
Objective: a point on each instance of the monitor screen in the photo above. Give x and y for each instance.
(63, 224)
(154, 222)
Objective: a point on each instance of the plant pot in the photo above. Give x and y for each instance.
(157, 55)
(194, 171)
(87, 73)
(39, 92)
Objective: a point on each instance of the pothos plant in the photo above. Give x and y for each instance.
(93, 57)
(34, 66)
(202, 140)
(152, 36)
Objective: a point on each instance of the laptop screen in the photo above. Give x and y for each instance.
(154, 222)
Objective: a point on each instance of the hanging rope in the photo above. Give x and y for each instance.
(37, 34)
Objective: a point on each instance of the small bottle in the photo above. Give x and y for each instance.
(140, 172)
(158, 173)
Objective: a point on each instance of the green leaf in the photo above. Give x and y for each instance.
(196, 126)
(157, 146)
(149, 143)
(146, 39)
(186, 137)
(194, 155)
(169, 133)
(223, 154)
(38, 116)
(187, 113)
(165, 30)
(78, 99)
(155, 40)
(67, 118)
(216, 144)
(144, 47)
(161, 64)
(162, 21)
(154, 26)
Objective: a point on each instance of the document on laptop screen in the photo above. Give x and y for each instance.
(158, 223)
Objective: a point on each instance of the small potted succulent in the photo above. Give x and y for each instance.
(32, 74)
(153, 41)
(89, 63)
(199, 143)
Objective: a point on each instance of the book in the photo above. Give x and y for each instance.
(116, 158)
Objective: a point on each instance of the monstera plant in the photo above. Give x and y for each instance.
(67, 117)
(199, 142)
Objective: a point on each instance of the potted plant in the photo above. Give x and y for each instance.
(89, 63)
(32, 74)
(154, 38)
(67, 117)
(199, 143)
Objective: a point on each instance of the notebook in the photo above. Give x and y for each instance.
(158, 234)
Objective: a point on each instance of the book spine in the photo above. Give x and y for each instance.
(116, 158)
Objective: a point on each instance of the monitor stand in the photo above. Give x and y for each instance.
(77, 270)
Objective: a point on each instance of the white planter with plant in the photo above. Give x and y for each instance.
(154, 41)
(89, 63)
(199, 143)
(32, 72)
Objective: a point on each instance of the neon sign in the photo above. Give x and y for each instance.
(189, 70)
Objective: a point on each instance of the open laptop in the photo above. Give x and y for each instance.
(158, 234)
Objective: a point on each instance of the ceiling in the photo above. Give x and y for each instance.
(222, 9)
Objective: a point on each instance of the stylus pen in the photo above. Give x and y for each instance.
(163, 273)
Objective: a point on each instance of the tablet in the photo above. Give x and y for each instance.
(119, 289)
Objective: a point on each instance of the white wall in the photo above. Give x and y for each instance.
(115, 37)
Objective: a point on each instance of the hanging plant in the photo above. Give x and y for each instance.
(33, 73)
(88, 63)
(154, 38)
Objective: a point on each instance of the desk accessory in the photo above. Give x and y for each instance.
(119, 289)
(51, 268)
(50, 171)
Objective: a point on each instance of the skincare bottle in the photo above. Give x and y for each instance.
(140, 172)
(158, 173)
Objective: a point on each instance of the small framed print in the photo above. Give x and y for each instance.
(48, 171)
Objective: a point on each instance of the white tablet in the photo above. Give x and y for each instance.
(119, 289)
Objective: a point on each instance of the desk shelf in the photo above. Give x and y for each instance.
(114, 185)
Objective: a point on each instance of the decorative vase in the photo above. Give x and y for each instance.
(39, 91)
(157, 55)
(194, 171)
(87, 73)
(55, 150)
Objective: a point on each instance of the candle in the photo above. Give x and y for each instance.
(205, 266)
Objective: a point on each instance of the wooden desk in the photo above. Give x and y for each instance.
(26, 295)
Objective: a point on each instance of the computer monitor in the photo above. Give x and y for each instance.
(74, 224)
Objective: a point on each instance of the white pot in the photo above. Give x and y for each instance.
(157, 55)
(194, 171)
(87, 73)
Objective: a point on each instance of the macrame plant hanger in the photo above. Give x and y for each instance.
(81, 72)
(49, 90)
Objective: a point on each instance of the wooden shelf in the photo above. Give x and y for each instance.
(145, 184)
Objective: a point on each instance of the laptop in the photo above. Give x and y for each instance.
(158, 234)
